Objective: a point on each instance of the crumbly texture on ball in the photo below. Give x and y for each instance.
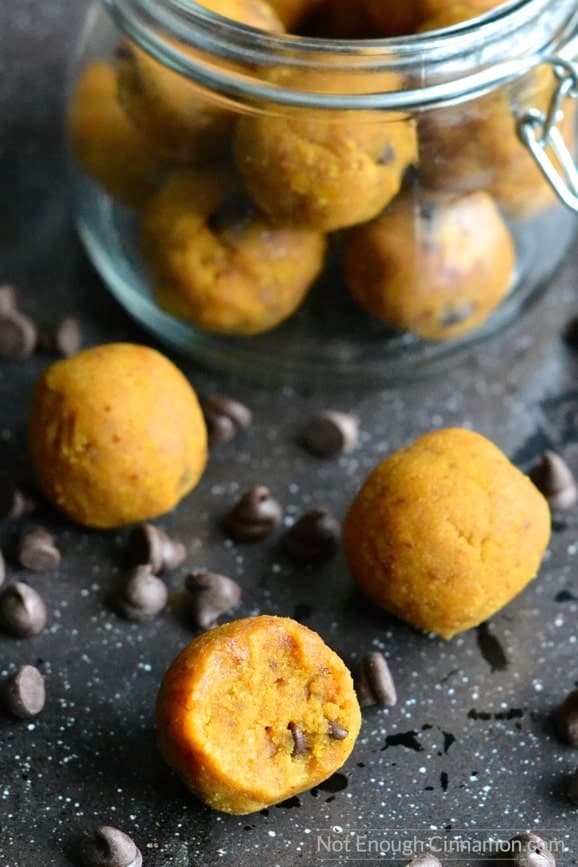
(436, 269)
(475, 146)
(326, 170)
(217, 263)
(446, 532)
(248, 713)
(184, 121)
(116, 435)
(106, 143)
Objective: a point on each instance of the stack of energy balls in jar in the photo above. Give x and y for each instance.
(237, 209)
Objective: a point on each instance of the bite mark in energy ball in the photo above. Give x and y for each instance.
(116, 435)
(446, 532)
(247, 713)
(438, 270)
(218, 264)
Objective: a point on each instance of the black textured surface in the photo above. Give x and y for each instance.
(468, 746)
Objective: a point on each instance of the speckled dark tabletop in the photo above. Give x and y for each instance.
(474, 758)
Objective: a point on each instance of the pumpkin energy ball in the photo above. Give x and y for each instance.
(106, 143)
(184, 122)
(116, 435)
(327, 170)
(217, 263)
(437, 270)
(256, 711)
(446, 532)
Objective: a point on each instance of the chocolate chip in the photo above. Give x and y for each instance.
(256, 515)
(553, 477)
(110, 847)
(566, 719)
(38, 551)
(13, 502)
(529, 850)
(300, 746)
(24, 692)
(150, 546)
(331, 433)
(65, 339)
(8, 299)
(374, 683)
(143, 595)
(337, 732)
(225, 418)
(211, 595)
(314, 538)
(17, 336)
(573, 790)
(426, 860)
(22, 610)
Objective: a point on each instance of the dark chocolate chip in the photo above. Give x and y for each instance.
(211, 595)
(571, 333)
(8, 299)
(554, 479)
(331, 433)
(38, 551)
(314, 538)
(13, 502)
(65, 339)
(573, 790)
(150, 546)
(529, 850)
(22, 610)
(143, 595)
(337, 732)
(426, 860)
(374, 683)
(24, 692)
(566, 719)
(18, 336)
(300, 746)
(109, 847)
(256, 515)
(225, 418)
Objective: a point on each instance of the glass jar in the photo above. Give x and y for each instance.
(302, 208)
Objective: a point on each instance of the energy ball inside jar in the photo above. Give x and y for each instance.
(116, 435)
(326, 170)
(256, 711)
(475, 146)
(183, 121)
(394, 17)
(446, 532)
(106, 143)
(217, 263)
(437, 269)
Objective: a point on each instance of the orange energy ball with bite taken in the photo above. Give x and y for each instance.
(325, 170)
(217, 263)
(446, 532)
(185, 122)
(116, 435)
(106, 143)
(436, 268)
(256, 711)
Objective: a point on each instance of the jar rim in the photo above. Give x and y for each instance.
(162, 26)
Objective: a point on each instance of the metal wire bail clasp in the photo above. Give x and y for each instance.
(540, 133)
